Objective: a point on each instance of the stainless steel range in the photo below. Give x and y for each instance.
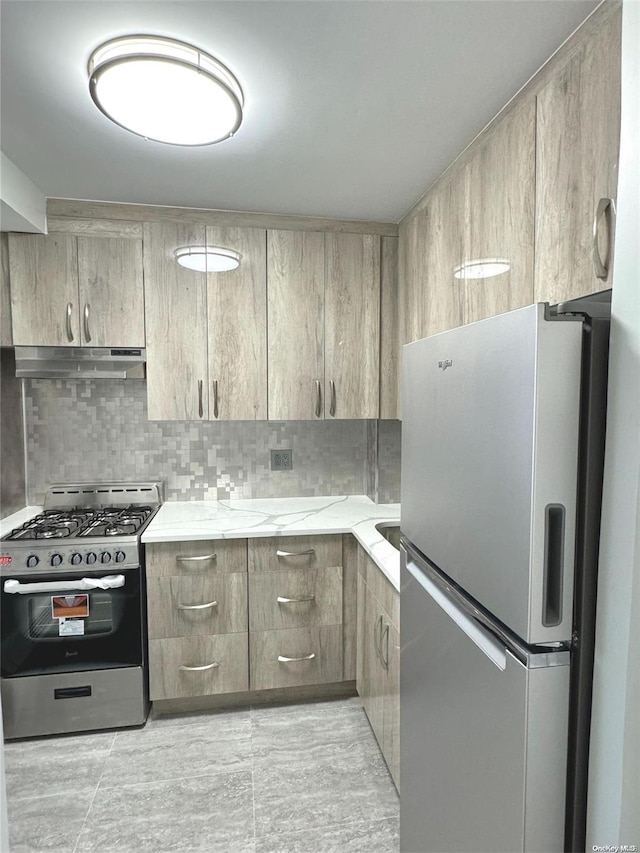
(73, 611)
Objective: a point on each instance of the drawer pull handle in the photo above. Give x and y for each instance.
(282, 600)
(197, 559)
(202, 668)
(206, 606)
(308, 553)
(285, 659)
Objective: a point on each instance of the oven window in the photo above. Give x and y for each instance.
(46, 633)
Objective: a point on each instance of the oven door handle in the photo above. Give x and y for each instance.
(109, 582)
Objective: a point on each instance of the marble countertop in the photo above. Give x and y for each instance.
(183, 520)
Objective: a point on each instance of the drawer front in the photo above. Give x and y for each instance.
(228, 653)
(324, 642)
(295, 598)
(166, 559)
(202, 604)
(294, 552)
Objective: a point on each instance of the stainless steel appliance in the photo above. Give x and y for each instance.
(80, 362)
(502, 453)
(72, 598)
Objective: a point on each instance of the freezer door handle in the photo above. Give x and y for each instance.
(554, 517)
(483, 639)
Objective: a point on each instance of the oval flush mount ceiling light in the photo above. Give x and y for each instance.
(165, 90)
(207, 258)
(482, 268)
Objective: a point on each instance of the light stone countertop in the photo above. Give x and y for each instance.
(178, 521)
(184, 520)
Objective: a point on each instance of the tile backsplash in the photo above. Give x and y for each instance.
(81, 430)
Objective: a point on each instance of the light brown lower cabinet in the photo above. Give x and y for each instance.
(202, 604)
(182, 667)
(295, 656)
(228, 616)
(378, 659)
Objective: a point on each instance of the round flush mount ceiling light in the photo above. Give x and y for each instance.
(207, 258)
(482, 268)
(165, 90)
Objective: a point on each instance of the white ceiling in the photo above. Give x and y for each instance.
(353, 107)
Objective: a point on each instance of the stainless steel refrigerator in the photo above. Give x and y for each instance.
(502, 449)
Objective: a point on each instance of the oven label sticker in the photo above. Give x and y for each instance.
(70, 627)
(69, 606)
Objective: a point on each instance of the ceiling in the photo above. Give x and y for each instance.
(351, 108)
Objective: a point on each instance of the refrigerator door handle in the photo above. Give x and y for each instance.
(483, 639)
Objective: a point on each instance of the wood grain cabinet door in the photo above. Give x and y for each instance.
(500, 217)
(442, 231)
(295, 656)
(6, 335)
(578, 139)
(176, 324)
(181, 667)
(237, 312)
(44, 290)
(295, 294)
(202, 604)
(352, 326)
(295, 598)
(111, 294)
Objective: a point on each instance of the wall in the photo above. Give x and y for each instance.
(12, 469)
(82, 430)
(614, 771)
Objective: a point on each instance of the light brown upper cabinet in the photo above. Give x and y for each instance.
(578, 137)
(295, 288)
(71, 290)
(500, 216)
(176, 320)
(237, 313)
(6, 335)
(324, 325)
(206, 332)
(352, 325)
(441, 295)
(389, 328)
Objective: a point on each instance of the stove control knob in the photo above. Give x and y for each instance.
(32, 561)
(105, 557)
(120, 556)
(90, 558)
(56, 559)
(75, 559)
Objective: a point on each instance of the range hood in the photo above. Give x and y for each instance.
(80, 362)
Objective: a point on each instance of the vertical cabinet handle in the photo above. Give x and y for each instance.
(377, 635)
(215, 398)
(318, 398)
(69, 328)
(87, 333)
(605, 204)
(200, 406)
(384, 657)
(332, 392)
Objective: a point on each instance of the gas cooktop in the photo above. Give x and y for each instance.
(67, 524)
(83, 526)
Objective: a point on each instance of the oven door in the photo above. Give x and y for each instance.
(53, 623)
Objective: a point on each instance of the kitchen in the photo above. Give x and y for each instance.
(98, 431)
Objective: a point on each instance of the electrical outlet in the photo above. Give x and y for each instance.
(281, 460)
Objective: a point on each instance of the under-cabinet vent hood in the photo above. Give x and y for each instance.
(80, 362)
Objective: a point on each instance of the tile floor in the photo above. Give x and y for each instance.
(305, 778)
